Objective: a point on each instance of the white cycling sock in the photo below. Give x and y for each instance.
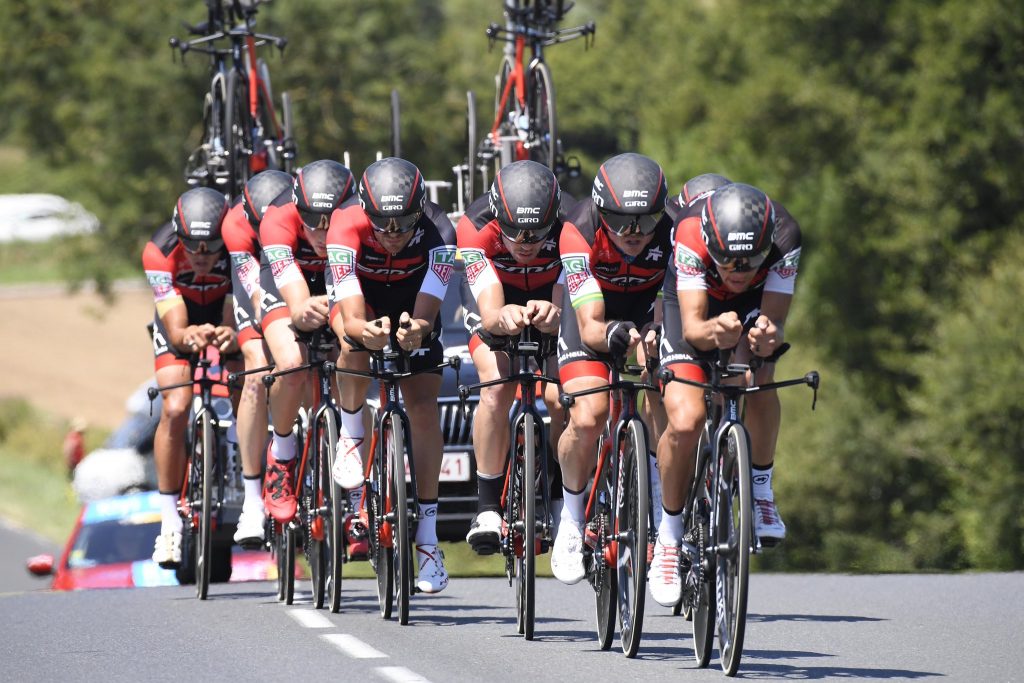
(253, 493)
(283, 447)
(426, 529)
(670, 531)
(352, 424)
(574, 507)
(170, 520)
(763, 483)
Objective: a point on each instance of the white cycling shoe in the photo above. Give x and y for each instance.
(432, 577)
(167, 550)
(348, 464)
(567, 553)
(249, 533)
(663, 579)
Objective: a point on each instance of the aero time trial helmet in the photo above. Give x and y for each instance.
(318, 189)
(392, 194)
(197, 218)
(738, 225)
(261, 190)
(629, 191)
(524, 198)
(698, 186)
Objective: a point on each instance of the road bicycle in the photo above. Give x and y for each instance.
(526, 530)
(390, 489)
(525, 124)
(718, 519)
(241, 132)
(619, 521)
(212, 480)
(319, 523)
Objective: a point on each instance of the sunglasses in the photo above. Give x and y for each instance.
(740, 264)
(202, 247)
(394, 224)
(528, 236)
(630, 225)
(314, 220)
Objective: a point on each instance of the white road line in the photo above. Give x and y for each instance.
(399, 674)
(352, 646)
(310, 619)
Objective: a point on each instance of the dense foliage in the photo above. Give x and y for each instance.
(892, 130)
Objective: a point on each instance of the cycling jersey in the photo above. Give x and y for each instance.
(243, 244)
(174, 282)
(287, 255)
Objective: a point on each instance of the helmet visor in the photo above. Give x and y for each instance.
(202, 246)
(529, 236)
(394, 224)
(314, 220)
(740, 264)
(630, 225)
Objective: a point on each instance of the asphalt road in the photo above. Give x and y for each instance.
(816, 627)
(16, 546)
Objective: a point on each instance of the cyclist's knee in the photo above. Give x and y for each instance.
(497, 399)
(176, 406)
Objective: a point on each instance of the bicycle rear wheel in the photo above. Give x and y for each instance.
(526, 565)
(332, 509)
(602, 570)
(203, 453)
(632, 512)
(543, 123)
(700, 581)
(381, 550)
(398, 447)
(733, 531)
(237, 133)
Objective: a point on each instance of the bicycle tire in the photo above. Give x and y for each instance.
(602, 571)
(381, 550)
(400, 507)
(237, 145)
(266, 132)
(633, 504)
(334, 503)
(204, 545)
(278, 553)
(396, 125)
(543, 120)
(309, 514)
(288, 150)
(504, 114)
(702, 607)
(186, 571)
(526, 570)
(287, 549)
(469, 189)
(734, 531)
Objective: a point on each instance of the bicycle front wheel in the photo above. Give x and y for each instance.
(332, 509)
(398, 494)
(526, 566)
(312, 519)
(381, 544)
(543, 124)
(632, 512)
(203, 453)
(733, 531)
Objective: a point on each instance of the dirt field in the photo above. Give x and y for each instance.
(73, 355)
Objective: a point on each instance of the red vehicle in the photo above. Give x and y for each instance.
(111, 545)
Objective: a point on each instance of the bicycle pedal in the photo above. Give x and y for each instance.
(252, 544)
(768, 542)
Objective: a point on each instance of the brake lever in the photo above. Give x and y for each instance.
(152, 393)
(813, 379)
(463, 395)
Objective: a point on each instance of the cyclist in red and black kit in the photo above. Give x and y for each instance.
(730, 286)
(508, 240)
(615, 249)
(293, 233)
(392, 255)
(241, 236)
(187, 267)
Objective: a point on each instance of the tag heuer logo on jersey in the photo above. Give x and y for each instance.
(688, 263)
(280, 258)
(443, 263)
(161, 282)
(475, 265)
(341, 263)
(574, 264)
(789, 264)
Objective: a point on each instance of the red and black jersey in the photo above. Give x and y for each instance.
(594, 268)
(173, 279)
(487, 261)
(243, 244)
(360, 265)
(693, 269)
(285, 248)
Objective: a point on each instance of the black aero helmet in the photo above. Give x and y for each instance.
(392, 194)
(319, 188)
(261, 190)
(738, 225)
(524, 198)
(197, 218)
(630, 191)
(699, 186)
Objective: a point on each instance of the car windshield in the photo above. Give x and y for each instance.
(113, 542)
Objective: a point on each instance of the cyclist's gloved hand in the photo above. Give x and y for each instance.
(647, 329)
(620, 335)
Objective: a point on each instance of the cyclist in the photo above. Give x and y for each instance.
(293, 233)
(508, 240)
(730, 285)
(615, 249)
(692, 191)
(188, 270)
(241, 236)
(392, 255)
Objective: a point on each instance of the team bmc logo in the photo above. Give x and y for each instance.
(576, 273)
(475, 265)
(341, 263)
(443, 263)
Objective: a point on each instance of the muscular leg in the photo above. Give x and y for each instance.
(490, 422)
(252, 410)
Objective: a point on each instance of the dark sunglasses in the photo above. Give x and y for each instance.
(394, 224)
(314, 220)
(527, 236)
(740, 264)
(201, 246)
(630, 225)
